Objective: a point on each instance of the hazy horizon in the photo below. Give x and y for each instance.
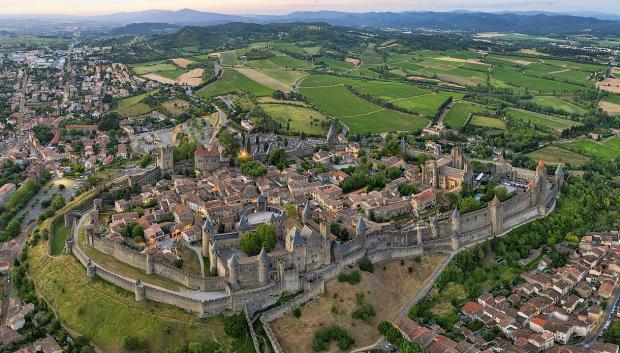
(280, 7)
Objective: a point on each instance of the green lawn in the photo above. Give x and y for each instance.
(557, 155)
(491, 123)
(132, 106)
(302, 119)
(231, 82)
(551, 122)
(593, 148)
(58, 238)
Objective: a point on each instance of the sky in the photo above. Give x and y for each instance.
(94, 7)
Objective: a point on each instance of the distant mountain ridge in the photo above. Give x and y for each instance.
(527, 22)
(531, 22)
(184, 16)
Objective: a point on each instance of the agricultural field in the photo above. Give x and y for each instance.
(610, 104)
(593, 148)
(384, 120)
(360, 115)
(300, 119)
(338, 101)
(132, 106)
(409, 97)
(613, 142)
(558, 155)
(280, 61)
(426, 104)
(557, 103)
(551, 122)
(486, 122)
(456, 118)
(231, 58)
(283, 80)
(232, 81)
(336, 65)
(459, 67)
(287, 47)
(514, 77)
(152, 67)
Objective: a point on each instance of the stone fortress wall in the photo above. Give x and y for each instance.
(228, 295)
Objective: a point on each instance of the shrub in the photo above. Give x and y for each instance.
(297, 312)
(235, 325)
(364, 310)
(366, 265)
(132, 343)
(324, 336)
(354, 277)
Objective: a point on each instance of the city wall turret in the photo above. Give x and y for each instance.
(263, 267)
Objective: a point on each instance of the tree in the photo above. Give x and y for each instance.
(43, 133)
(137, 233)
(264, 237)
(109, 121)
(146, 160)
(229, 143)
(253, 168)
(277, 157)
(407, 189)
(393, 173)
(14, 227)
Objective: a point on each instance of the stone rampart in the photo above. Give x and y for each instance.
(119, 251)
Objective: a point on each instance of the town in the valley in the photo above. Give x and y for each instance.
(305, 187)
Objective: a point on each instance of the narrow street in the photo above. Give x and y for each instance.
(603, 325)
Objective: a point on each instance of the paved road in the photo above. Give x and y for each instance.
(609, 314)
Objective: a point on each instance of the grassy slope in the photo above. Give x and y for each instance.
(81, 303)
(58, 237)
